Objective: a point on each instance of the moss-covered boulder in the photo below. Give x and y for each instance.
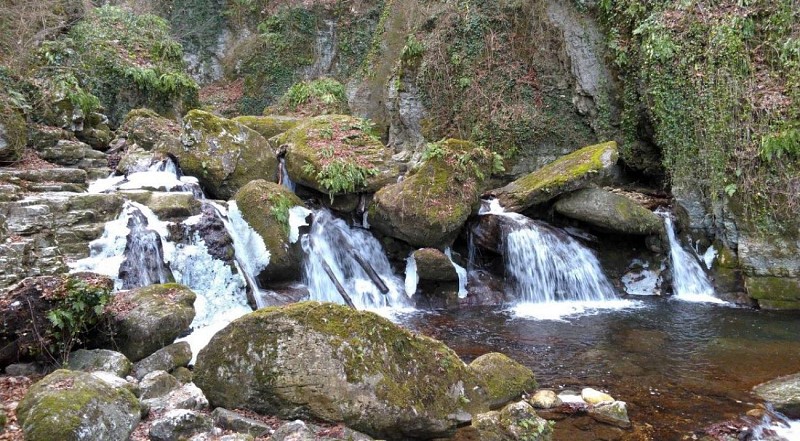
(337, 154)
(576, 170)
(224, 155)
(269, 125)
(13, 133)
(783, 393)
(506, 380)
(71, 406)
(609, 212)
(265, 206)
(325, 361)
(149, 130)
(145, 320)
(433, 264)
(774, 292)
(429, 206)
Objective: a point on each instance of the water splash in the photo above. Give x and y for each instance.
(551, 273)
(332, 243)
(689, 281)
(412, 277)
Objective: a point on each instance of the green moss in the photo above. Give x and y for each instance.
(268, 125)
(774, 292)
(14, 130)
(505, 379)
(566, 173)
(317, 97)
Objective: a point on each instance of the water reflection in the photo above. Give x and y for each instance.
(680, 366)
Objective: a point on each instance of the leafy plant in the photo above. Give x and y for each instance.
(78, 308)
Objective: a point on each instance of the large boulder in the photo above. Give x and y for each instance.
(337, 154)
(145, 320)
(783, 393)
(433, 264)
(326, 361)
(224, 155)
(13, 133)
(609, 212)
(571, 172)
(72, 406)
(100, 360)
(505, 379)
(265, 206)
(429, 207)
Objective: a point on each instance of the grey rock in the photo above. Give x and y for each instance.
(187, 396)
(179, 424)
(614, 413)
(100, 360)
(609, 212)
(294, 431)
(165, 359)
(545, 399)
(229, 420)
(157, 384)
(783, 393)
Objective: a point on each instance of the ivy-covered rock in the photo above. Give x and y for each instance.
(145, 320)
(72, 405)
(114, 60)
(326, 361)
(265, 206)
(609, 212)
(505, 379)
(576, 170)
(337, 154)
(433, 264)
(224, 155)
(429, 206)
(13, 133)
(268, 125)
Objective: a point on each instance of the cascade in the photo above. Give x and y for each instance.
(551, 273)
(689, 281)
(333, 244)
(144, 255)
(286, 181)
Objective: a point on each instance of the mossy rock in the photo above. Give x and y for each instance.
(13, 133)
(774, 292)
(783, 393)
(322, 96)
(433, 264)
(506, 380)
(269, 125)
(149, 130)
(609, 212)
(576, 170)
(337, 154)
(224, 155)
(265, 206)
(71, 406)
(333, 363)
(145, 320)
(430, 206)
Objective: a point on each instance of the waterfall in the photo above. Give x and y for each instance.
(286, 181)
(461, 272)
(689, 281)
(144, 255)
(550, 273)
(333, 245)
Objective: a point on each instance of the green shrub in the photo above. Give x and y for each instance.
(317, 97)
(77, 308)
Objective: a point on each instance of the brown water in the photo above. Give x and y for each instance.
(679, 366)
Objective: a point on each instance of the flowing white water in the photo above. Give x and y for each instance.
(551, 273)
(160, 176)
(412, 277)
(333, 243)
(689, 281)
(286, 181)
(462, 274)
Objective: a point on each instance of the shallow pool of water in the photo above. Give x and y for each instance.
(680, 366)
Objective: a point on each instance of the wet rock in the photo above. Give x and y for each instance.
(337, 154)
(157, 384)
(609, 212)
(517, 421)
(429, 207)
(433, 264)
(783, 393)
(74, 154)
(593, 396)
(224, 155)
(145, 320)
(545, 399)
(576, 170)
(179, 424)
(173, 205)
(99, 360)
(77, 405)
(265, 206)
(228, 420)
(614, 413)
(165, 359)
(269, 125)
(505, 379)
(213, 232)
(344, 366)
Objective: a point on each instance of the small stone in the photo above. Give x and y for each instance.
(545, 399)
(238, 423)
(294, 431)
(593, 396)
(165, 359)
(179, 424)
(614, 413)
(157, 384)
